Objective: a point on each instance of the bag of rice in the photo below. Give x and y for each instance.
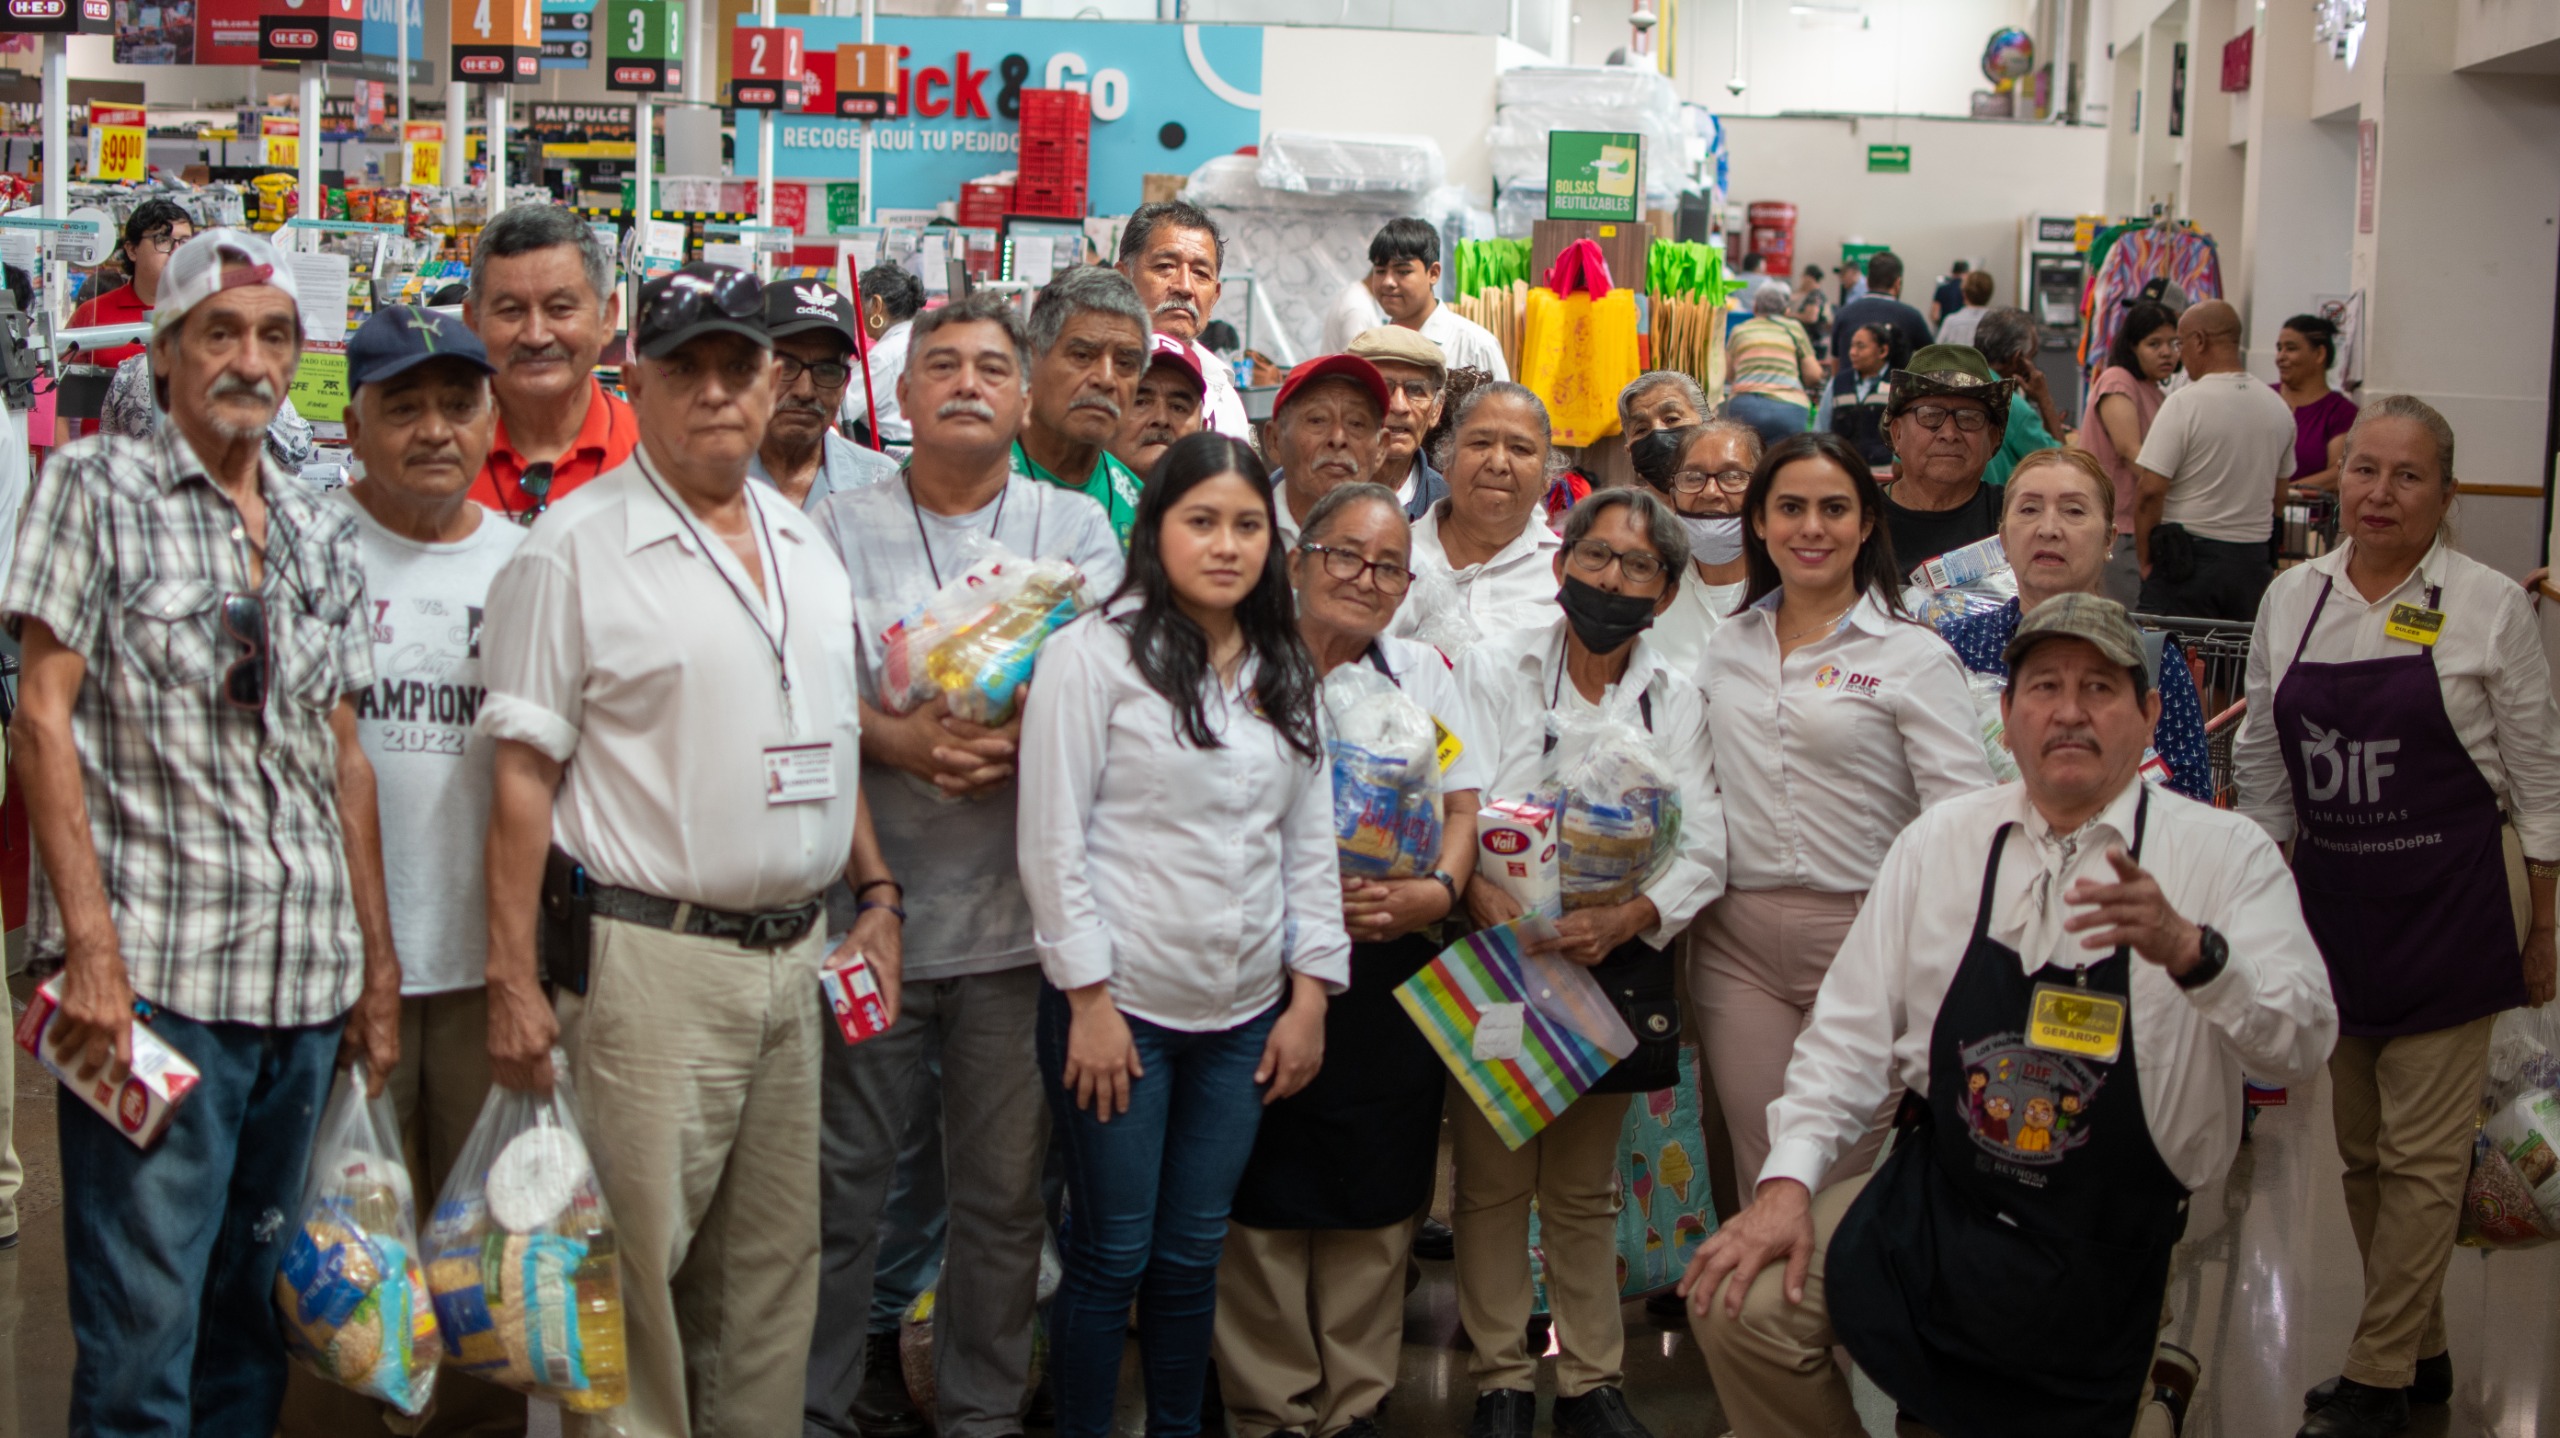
(522, 1256)
(350, 1288)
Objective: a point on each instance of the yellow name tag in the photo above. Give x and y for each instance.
(1448, 748)
(2415, 623)
(2076, 1021)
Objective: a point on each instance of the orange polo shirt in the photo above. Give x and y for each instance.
(603, 442)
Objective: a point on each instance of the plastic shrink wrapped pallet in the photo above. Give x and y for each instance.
(1386, 776)
(522, 1257)
(350, 1289)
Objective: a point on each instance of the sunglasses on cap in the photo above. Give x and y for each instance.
(690, 297)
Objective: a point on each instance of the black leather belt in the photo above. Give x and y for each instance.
(768, 930)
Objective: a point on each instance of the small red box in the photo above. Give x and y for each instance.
(141, 1106)
(853, 996)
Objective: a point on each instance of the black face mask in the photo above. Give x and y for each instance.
(1604, 622)
(1657, 457)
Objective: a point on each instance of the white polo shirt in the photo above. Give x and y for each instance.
(628, 644)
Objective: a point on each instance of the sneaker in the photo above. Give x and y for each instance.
(2357, 1410)
(881, 1407)
(1600, 1413)
(1435, 1241)
(2434, 1384)
(1504, 1413)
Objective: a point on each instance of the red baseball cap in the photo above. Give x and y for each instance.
(1322, 367)
(1163, 348)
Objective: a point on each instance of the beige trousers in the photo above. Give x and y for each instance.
(1756, 961)
(1773, 1366)
(696, 1065)
(1570, 1168)
(2404, 1110)
(437, 1090)
(1310, 1325)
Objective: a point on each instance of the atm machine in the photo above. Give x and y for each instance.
(2053, 270)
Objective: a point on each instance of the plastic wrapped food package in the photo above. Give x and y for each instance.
(1308, 162)
(2513, 1197)
(1617, 810)
(350, 1289)
(976, 638)
(1386, 776)
(1961, 582)
(1987, 689)
(523, 1262)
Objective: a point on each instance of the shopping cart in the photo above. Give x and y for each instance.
(2217, 653)
(2310, 526)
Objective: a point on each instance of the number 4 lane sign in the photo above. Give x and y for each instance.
(497, 42)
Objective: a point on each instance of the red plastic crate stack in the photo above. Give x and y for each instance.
(1050, 175)
(983, 204)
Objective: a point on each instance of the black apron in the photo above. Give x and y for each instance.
(2001, 1275)
(1358, 1147)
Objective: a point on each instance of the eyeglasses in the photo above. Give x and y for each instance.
(828, 373)
(1932, 416)
(1594, 556)
(735, 294)
(164, 241)
(1345, 566)
(244, 684)
(1695, 481)
(536, 484)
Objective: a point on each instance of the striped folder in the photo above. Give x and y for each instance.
(1569, 1033)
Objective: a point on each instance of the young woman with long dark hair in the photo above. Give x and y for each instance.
(2117, 418)
(1838, 718)
(1177, 849)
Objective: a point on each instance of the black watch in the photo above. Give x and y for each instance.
(1448, 881)
(2213, 955)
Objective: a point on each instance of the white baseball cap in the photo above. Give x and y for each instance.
(214, 261)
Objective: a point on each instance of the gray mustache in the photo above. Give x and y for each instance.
(1103, 403)
(230, 384)
(973, 408)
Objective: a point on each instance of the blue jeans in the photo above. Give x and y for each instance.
(1772, 419)
(173, 1250)
(1148, 1195)
(912, 1222)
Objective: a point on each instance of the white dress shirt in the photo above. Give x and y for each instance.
(1679, 634)
(1189, 879)
(1221, 408)
(886, 361)
(628, 644)
(1352, 312)
(2269, 1013)
(1830, 753)
(1508, 682)
(1429, 680)
(1453, 608)
(2489, 663)
(1466, 343)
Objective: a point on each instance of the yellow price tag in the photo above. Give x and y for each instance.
(426, 162)
(2075, 1021)
(115, 152)
(284, 152)
(1446, 746)
(2415, 623)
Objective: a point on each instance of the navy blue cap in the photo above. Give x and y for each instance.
(399, 338)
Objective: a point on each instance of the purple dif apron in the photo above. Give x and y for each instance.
(2397, 849)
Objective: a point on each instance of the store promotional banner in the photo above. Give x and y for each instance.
(1167, 98)
(380, 39)
(225, 32)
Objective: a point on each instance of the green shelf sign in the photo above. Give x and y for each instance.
(1593, 175)
(1888, 159)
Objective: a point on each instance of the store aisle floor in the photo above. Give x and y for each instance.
(2266, 1289)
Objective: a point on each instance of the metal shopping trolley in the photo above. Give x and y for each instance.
(2217, 654)
(2310, 526)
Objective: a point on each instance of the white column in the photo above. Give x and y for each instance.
(870, 16)
(765, 122)
(400, 26)
(315, 84)
(57, 159)
(497, 149)
(457, 122)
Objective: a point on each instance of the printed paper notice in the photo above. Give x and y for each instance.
(320, 283)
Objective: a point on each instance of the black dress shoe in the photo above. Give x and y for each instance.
(2357, 1410)
(1667, 1309)
(1504, 1413)
(2434, 1384)
(881, 1407)
(1600, 1413)
(1434, 1241)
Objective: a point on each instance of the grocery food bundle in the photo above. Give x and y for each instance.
(1617, 813)
(352, 1295)
(2513, 1197)
(974, 640)
(1386, 775)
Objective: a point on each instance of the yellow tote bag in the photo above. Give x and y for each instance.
(1577, 355)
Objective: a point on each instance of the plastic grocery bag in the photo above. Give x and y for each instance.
(975, 638)
(1386, 776)
(1961, 582)
(2513, 1197)
(351, 1290)
(522, 1258)
(1987, 689)
(1617, 809)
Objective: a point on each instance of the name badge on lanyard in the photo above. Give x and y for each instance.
(2415, 623)
(2069, 1020)
(799, 773)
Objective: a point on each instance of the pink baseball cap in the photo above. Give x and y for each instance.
(1163, 348)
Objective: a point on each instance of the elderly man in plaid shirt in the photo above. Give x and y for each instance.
(194, 627)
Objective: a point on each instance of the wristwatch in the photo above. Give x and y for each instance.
(2212, 954)
(1448, 881)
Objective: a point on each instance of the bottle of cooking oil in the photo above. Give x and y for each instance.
(599, 1298)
